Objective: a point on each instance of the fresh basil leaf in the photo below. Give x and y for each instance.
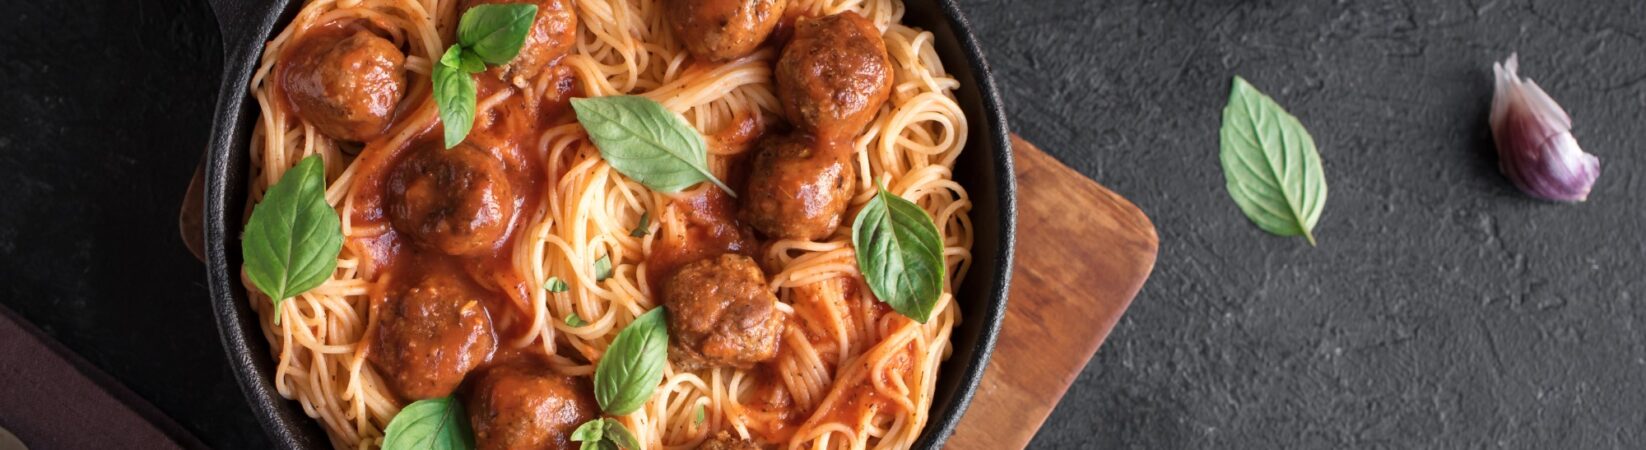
(453, 57)
(646, 142)
(644, 225)
(574, 320)
(603, 268)
(556, 285)
(437, 423)
(291, 243)
(590, 432)
(454, 92)
(699, 415)
(496, 32)
(471, 62)
(619, 435)
(1270, 164)
(629, 372)
(900, 254)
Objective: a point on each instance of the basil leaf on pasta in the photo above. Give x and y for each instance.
(646, 142)
(590, 432)
(486, 34)
(603, 268)
(629, 372)
(437, 423)
(471, 63)
(574, 320)
(900, 254)
(601, 434)
(454, 93)
(293, 238)
(644, 225)
(495, 33)
(619, 435)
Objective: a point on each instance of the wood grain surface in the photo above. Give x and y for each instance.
(1083, 252)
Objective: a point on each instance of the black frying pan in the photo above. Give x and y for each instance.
(985, 168)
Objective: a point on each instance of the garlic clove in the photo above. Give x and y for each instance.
(1534, 140)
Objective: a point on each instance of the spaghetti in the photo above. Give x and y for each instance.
(849, 373)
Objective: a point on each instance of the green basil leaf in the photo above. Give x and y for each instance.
(698, 418)
(629, 372)
(1270, 164)
(556, 285)
(454, 93)
(437, 423)
(900, 254)
(590, 432)
(644, 225)
(496, 32)
(453, 57)
(471, 62)
(574, 320)
(291, 243)
(646, 142)
(620, 436)
(603, 268)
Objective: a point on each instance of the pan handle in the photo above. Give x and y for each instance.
(191, 217)
(242, 25)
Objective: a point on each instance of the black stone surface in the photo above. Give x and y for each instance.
(1441, 309)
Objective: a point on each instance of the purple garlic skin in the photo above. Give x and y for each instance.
(1535, 147)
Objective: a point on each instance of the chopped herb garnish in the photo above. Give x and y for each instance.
(603, 268)
(556, 285)
(644, 226)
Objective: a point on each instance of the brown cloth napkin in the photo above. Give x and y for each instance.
(52, 399)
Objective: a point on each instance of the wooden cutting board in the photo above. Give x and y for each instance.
(1082, 254)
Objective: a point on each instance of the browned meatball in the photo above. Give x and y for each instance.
(834, 75)
(721, 313)
(345, 84)
(456, 200)
(431, 335)
(525, 405)
(725, 441)
(798, 187)
(723, 30)
(553, 33)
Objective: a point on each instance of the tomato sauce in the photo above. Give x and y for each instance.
(510, 132)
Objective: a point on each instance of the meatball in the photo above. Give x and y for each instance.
(525, 405)
(346, 85)
(721, 313)
(798, 187)
(553, 33)
(723, 30)
(431, 335)
(834, 75)
(456, 200)
(725, 441)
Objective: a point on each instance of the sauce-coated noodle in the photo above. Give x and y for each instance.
(849, 373)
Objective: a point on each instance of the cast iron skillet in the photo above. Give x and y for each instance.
(985, 168)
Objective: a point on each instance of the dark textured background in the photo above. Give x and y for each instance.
(1442, 309)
